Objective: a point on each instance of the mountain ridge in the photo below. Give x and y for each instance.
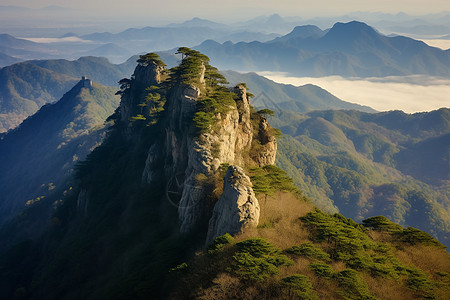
(347, 49)
(71, 128)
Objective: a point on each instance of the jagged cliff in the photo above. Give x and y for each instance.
(187, 156)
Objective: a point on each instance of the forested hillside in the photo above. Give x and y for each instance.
(362, 165)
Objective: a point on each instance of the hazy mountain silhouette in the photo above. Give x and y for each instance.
(347, 49)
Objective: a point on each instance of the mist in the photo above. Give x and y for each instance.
(407, 93)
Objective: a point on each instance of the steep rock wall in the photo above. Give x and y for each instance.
(186, 160)
(237, 208)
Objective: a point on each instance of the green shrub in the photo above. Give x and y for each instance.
(301, 286)
(415, 236)
(180, 268)
(137, 118)
(220, 242)
(269, 179)
(256, 259)
(419, 282)
(266, 112)
(150, 57)
(353, 287)
(309, 250)
(203, 120)
(349, 243)
(381, 223)
(257, 247)
(322, 270)
(344, 235)
(376, 265)
(254, 268)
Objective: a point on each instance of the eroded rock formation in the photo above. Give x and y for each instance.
(237, 207)
(186, 161)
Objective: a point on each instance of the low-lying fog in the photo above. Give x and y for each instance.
(408, 93)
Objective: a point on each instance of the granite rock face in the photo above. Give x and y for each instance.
(144, 76)
(237, 208)
(267, 154)
(185, 161)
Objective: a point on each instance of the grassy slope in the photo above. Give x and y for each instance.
(351, 263)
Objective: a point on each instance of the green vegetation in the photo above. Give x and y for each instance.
(181, 268)
(220, 242)
(322, 270)
(356, 163)
(300, 285)
(374, 262)
(415, 236)
(256, 259)
(352, 285)
(266, 112)
(148, 58)
(310, 251)
(419, 282)
(381, 223)
(268, 179)
(348, 241)
(138, 118)
(192, 65)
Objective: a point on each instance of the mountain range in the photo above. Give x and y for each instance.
(114, 46)
(25, 87)
(347, 49)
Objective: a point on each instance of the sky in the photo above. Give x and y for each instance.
(233, 10)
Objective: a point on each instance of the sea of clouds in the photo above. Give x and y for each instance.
(410, 94)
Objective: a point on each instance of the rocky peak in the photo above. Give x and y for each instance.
(202, 127)
(268, 150)
(150, 69)
(149, 74)
(237, 208)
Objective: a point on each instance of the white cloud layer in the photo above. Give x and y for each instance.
(408, 93)
(70, 39)
(439, 43)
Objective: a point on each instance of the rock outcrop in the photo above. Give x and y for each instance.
(205, 152)
(144, 76)
(186, 159)
(267, 153)
(237, 208)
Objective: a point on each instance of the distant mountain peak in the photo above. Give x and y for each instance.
(352, 28)
(305, 31)
(275, 17)
(198, 22)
